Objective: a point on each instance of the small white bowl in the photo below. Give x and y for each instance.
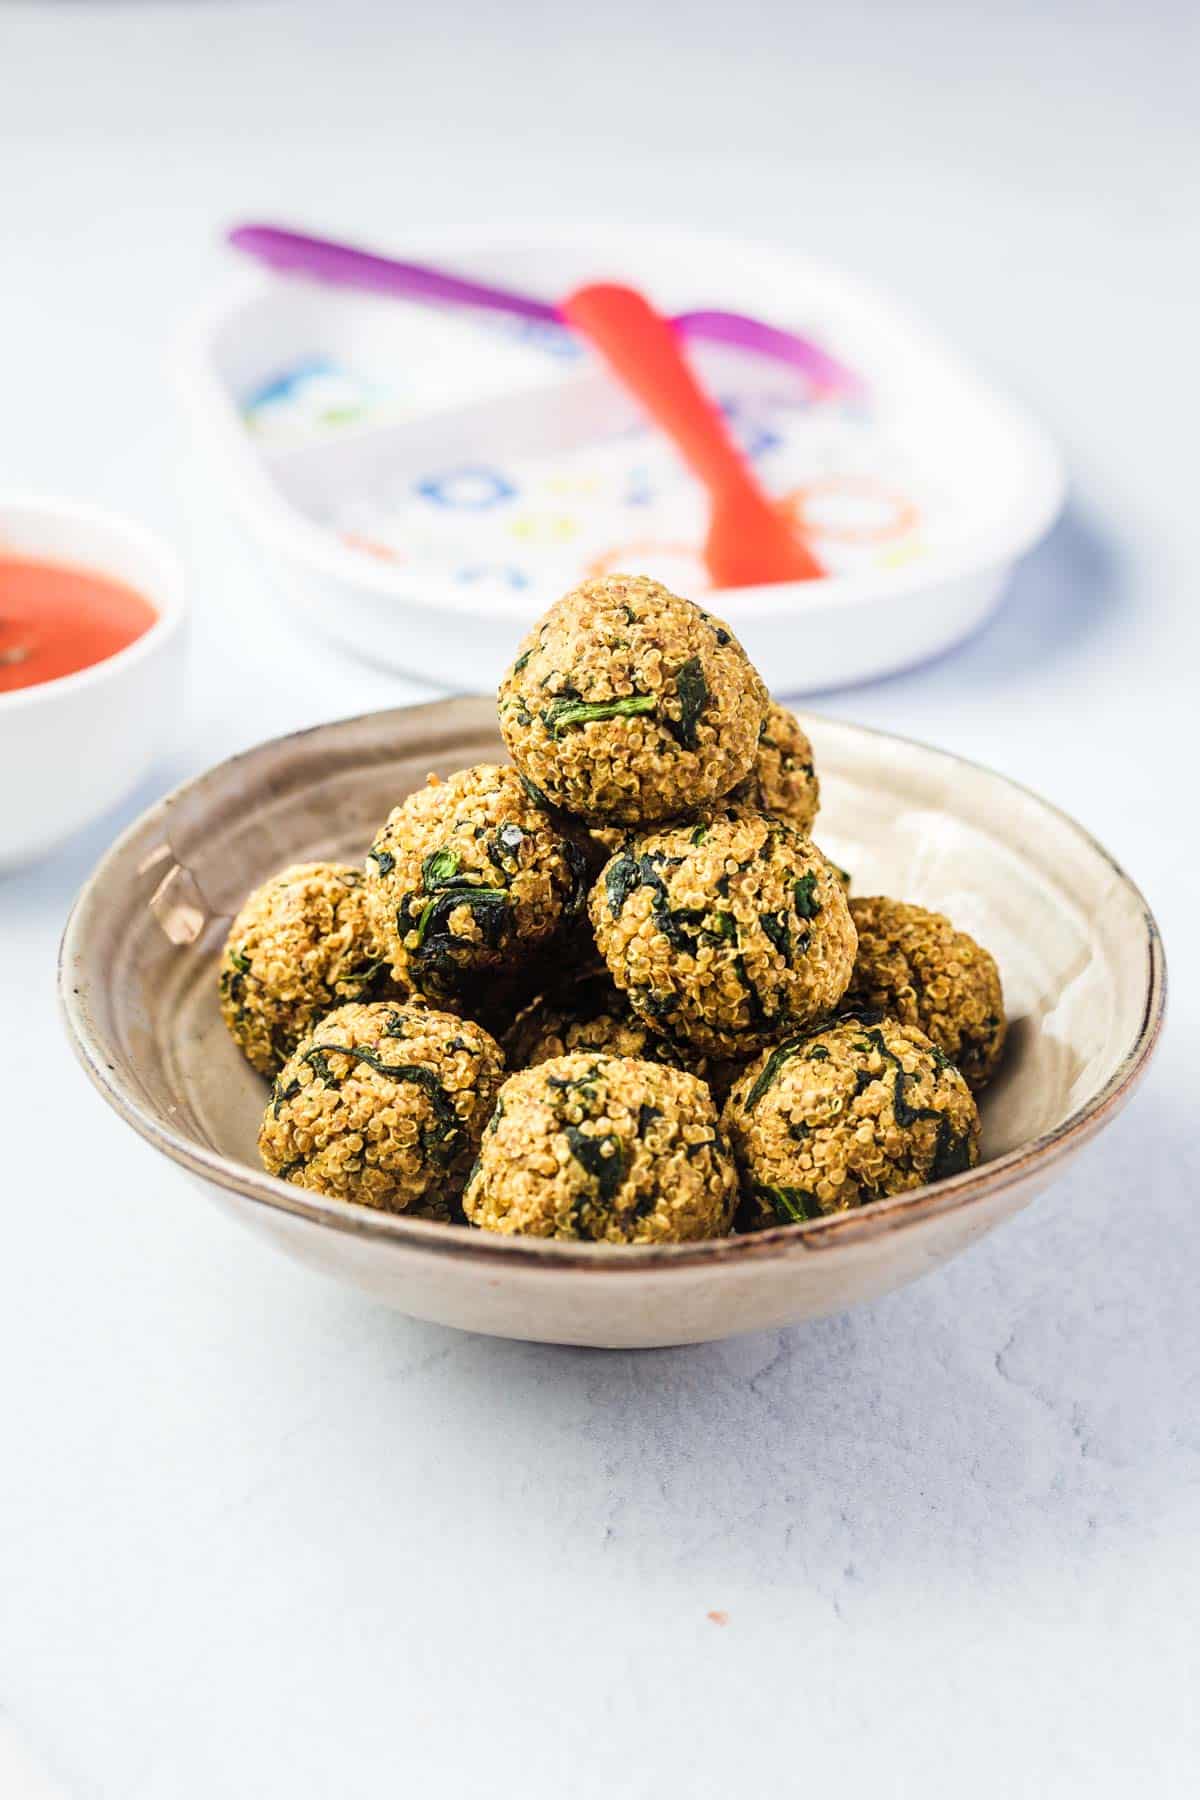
(73, 747)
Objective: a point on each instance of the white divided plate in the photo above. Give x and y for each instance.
(424, 482)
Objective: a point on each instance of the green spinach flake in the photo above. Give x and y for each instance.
(602, 1157)
(535, 794)
(564, 712)
(439, 869)
(580, 878)
(489, 905)
(779, 1056)
(693, 698)
(281, 1096)
(646, 1117)
(791, 1205)
(449, 1125)
(364, 979)
(768, 1073)
(760, 1017)
(698, 1146)
(952, 1154)
(806, 902)
(583, 1085)
(621, 877)
(503, 848)
(627, 872)
(904, 1114)
(775, 927)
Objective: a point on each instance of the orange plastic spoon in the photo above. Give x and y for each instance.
(750, 542)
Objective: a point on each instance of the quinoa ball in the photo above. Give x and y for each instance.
(602, 1147)
(579, 993)
(726, 933)
(301, 944)
(468, 880)
(848, 1113)
(916, 967)
(596, 1017)
(627, 704)
(782, 779)
(384, 1104)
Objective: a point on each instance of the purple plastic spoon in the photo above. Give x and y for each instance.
(348, 267)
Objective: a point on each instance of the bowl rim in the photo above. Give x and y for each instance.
(168, 598)
(876, 1220)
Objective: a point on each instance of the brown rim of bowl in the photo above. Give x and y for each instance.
(876, 1219)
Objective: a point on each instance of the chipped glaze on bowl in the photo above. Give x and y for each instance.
(1081, 959)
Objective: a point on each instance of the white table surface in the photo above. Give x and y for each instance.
(258, 1538)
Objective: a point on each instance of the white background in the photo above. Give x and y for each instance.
(259, 1539)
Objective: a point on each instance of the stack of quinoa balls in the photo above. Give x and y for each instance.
(612, 990)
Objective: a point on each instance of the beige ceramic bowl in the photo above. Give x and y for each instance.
(1078, 950)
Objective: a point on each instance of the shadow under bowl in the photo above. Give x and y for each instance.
(1079, 953)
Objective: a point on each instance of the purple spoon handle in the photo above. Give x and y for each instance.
(769, 340)
(348, 267)
(381, 274)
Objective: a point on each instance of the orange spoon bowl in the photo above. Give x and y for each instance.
(751, 541)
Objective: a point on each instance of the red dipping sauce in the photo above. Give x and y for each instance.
(56, 620)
